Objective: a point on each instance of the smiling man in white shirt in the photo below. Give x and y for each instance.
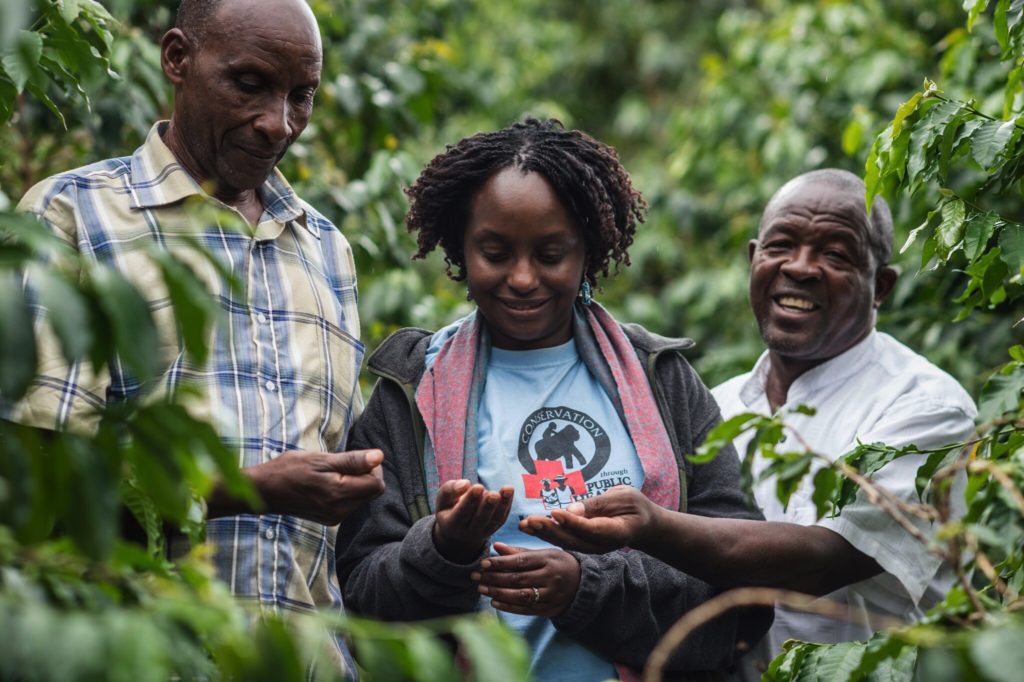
(818, 272)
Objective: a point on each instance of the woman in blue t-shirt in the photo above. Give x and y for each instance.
(536, 400)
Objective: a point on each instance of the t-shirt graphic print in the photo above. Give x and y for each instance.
(564, 452)
(547, 428)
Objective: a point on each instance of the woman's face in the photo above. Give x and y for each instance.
(524, 261)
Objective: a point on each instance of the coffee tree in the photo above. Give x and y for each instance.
(956, 150)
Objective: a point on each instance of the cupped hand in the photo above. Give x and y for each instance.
(324, 487)
(532, 582)
(466, 516)
(621, 517)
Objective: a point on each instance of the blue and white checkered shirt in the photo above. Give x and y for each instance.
(284, 359)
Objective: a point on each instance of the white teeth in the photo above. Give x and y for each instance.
(791, 302)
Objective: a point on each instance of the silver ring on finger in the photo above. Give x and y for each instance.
(536, 595)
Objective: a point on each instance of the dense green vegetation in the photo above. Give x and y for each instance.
(712, 106)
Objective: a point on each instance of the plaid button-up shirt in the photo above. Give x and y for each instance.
(282, 372)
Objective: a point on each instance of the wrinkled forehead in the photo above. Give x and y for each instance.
(822, 203)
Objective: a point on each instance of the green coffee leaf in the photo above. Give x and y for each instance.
(957, 134)
(145, 513)
(494, 652)
(157, 473)
(880, 655)
(378, 658)
(194, 307)
(1010, 91)
(826, 481)
(722, 435)
(897, 163)
(13, 16)
(1011, 243)
(853, 134)
(873, 172)
(935, 461)
(91, 517)
(866, 458)
(1002, 392)
(836, 662)
(928, 251)
(974, 8)
(429, 659)
(40, 94)
(134, 330)
(912, 237)
(67, 310)
(979, 230)
(8, 96)
(951, 229)
(787, 666)
(926, 134)
(18, 360)
(22, 62)
(788, 470)
(997, 650)
(905, 110)
(1000, 25)
(989, 141)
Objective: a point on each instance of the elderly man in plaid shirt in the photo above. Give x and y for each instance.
(281, 379)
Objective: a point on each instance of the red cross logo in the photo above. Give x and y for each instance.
(550, 470)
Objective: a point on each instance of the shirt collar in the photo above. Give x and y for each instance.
(836, 369)
(159, 180)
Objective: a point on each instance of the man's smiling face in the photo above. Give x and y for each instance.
(814, 282)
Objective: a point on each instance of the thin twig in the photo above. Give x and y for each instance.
(985, 564)
(1001, 477)
(871, 491)
(874, 492)
(972, 594)
(753, 596)
(981, 429)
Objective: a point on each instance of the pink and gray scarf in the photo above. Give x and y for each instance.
(449, 393)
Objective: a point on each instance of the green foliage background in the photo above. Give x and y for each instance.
(712, 105)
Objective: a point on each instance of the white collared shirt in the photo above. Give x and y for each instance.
(877, 391)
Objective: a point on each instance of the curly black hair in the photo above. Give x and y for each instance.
(586, 175)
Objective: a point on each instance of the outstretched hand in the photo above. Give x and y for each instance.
(621, 517)
(466, 516)
(532, 582)
(324, 487)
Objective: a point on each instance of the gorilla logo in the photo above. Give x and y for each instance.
(555, 444)
(562, 433)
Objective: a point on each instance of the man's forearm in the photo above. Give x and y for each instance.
(737, 552)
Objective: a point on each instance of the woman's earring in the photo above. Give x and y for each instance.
(469, 295)
(586, 293)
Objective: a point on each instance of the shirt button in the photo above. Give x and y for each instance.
(269, 534)
(273, 454)
(261, 318)
(270, 385)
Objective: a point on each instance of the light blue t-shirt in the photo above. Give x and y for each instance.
(547, 427)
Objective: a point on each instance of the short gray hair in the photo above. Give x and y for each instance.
(194, 18)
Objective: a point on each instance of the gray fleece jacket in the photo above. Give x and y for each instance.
(390, 569)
